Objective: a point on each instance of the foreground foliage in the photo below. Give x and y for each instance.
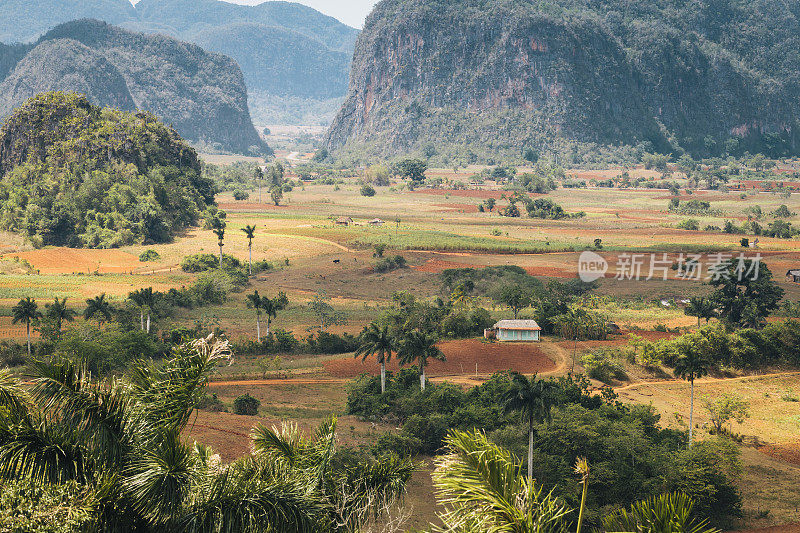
(116, 447)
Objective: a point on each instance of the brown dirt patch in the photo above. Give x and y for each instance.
(787, 528)
(73, 260)
(462, 356)
(436, 266)
(789, 453)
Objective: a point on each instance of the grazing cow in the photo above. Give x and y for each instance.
(337, 261)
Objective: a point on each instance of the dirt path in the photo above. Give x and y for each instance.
(705, 380)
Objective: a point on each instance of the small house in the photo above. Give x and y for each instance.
(793, 276)
(515, 330)
(376, 222)
(344, 221)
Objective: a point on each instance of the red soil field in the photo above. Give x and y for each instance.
(436, 266)
(462, 356)
(789, 453)
(69, 260)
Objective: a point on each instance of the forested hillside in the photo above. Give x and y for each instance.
(201, 94)
(494, 77)
(75, 174)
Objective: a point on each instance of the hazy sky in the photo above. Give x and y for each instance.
(351, 12)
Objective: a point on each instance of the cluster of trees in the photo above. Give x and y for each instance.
(551, 423)
(96, 177)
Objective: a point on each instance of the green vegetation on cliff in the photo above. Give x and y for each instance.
(470, 80)
(75, 174)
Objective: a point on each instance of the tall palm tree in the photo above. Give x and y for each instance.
(377, 341)
(271, 308)
(418, 346)
(98, 307)
(482, 488)
(256, 302)
(534, 399)
(250, 233)
(120, 442)
(259, 176)
(145, 300)
(693, 362)
(220, 233)
(26, 311)
(59, 312)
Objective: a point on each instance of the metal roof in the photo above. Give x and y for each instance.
(518, 324)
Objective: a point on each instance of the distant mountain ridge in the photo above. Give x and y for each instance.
(201, 94)
(283, 48)
(473, 79)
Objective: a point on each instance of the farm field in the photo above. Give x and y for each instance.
(435, 230)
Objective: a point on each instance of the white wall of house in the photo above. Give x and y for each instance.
(517, 335)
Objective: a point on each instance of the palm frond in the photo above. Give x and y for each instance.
(13, 395)
(666, 513)
(482, 488)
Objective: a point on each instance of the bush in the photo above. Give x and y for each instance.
(603, 365)
(240, 195)
(204, 262)
(149, 255)
(390, 263)
(246, 405)
(211, 403)
(689, 224)
(367, 190)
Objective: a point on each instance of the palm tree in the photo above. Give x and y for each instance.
(145, 300)
(256, 302)
(259, 176)
(220, 233)
(419, 346)
(98, 307)
(59, 312)
(667, 513)
(693, 362)
(701, 308)
(377, 341)
(250, 233)
(534, 399)
(26, 311)
(481, 488)
(271, 308)
(120, 442)
(351, 491)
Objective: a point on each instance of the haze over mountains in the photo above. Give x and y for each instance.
(201, 94)
(474, 79)
(283, 48)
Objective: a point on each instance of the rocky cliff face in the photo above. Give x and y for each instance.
(470, 78)
(200, 93)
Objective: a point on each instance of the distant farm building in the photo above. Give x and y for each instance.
(344, 221)
(793, 276)
(376, 222)
(514, 330)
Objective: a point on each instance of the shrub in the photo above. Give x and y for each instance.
(603, 365)
(204, 262)
(246, 405)
(367, 190)
(149, 255)
(689, 224)
(240, 195)
(390, 263)
(211, 403)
